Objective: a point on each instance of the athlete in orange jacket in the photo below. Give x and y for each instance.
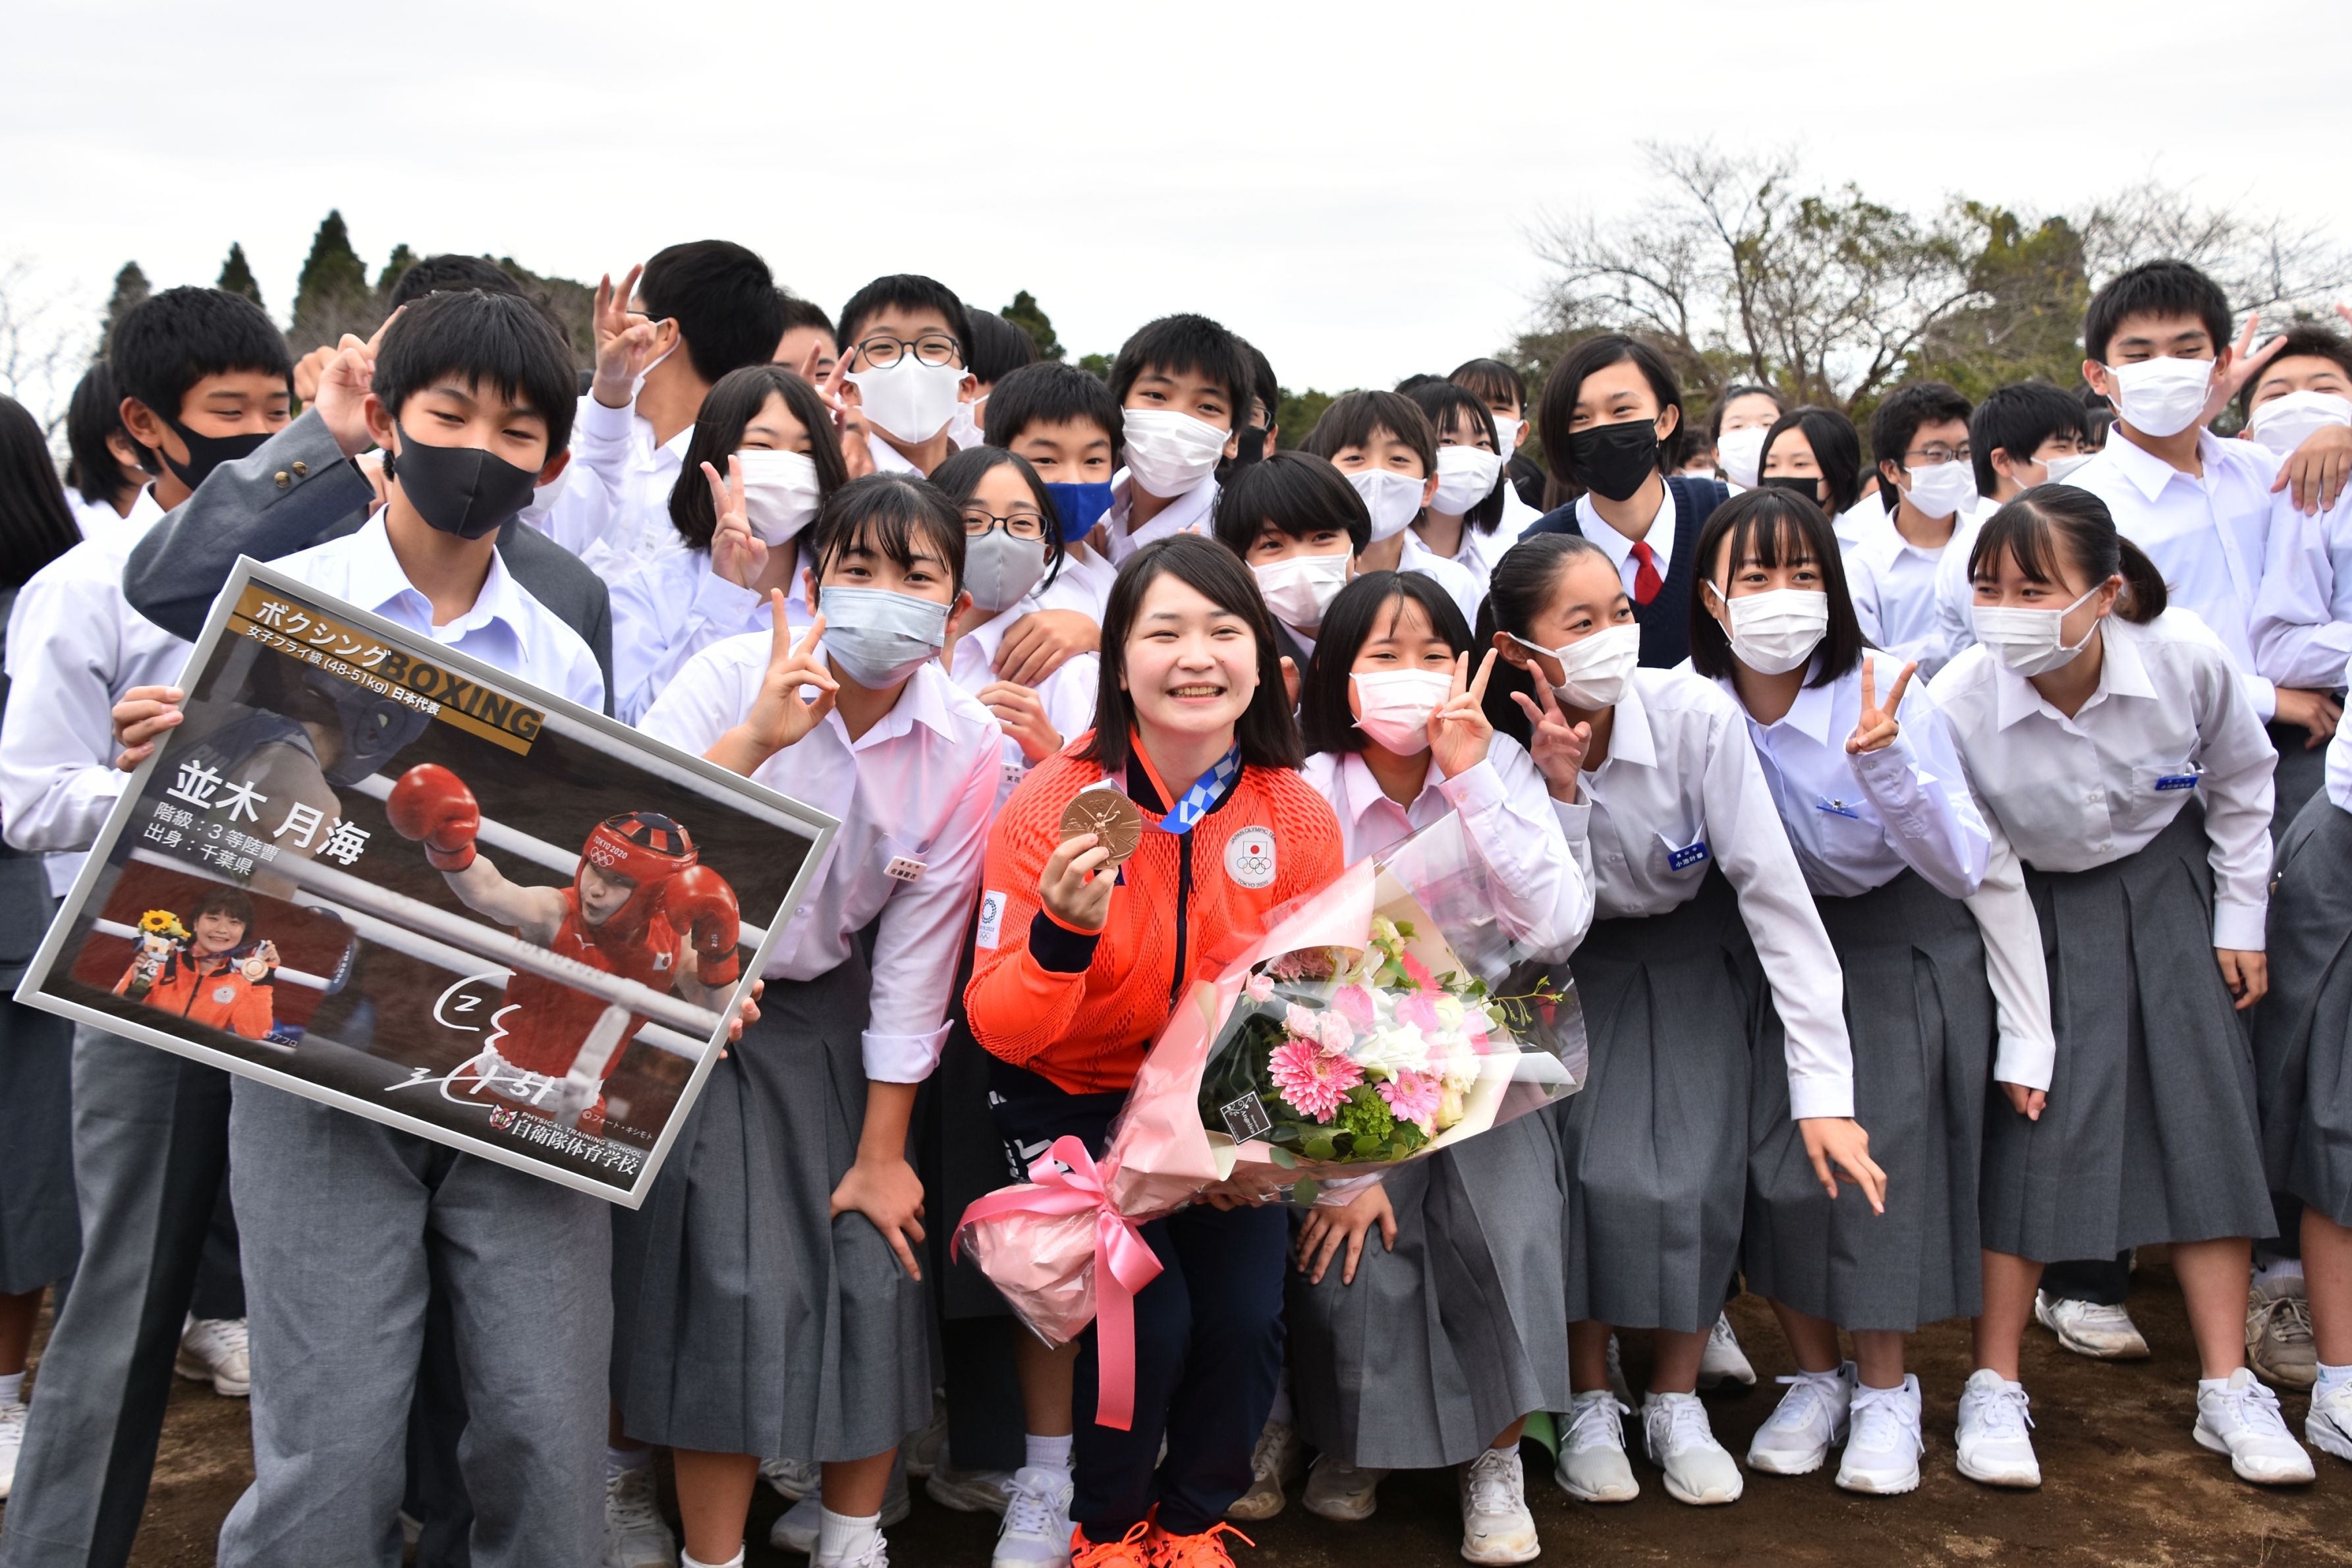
(206, 981)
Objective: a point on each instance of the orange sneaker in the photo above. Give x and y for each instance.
(1203, 1550)
(1132, 1550)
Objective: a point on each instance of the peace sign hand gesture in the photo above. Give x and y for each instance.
(1557, 747)
(1459, 732)
(1876, 728)
(737, 554)
(779, 715)
(623, 346)
(848, 423)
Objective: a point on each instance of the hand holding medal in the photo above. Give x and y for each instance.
(1100, 829)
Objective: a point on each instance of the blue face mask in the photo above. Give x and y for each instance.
(1080, 507)
(879, 637)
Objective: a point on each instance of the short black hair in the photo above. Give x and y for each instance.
(2305, 340)
(1780, 526)
(1266, 732)
(169, 341)
(960, 474)
(1837, 449)
(889, 512)
(1324, 722)
(800, 313)
(907, 291)
(997, 348)
(1908, 406)
(1492, 381)
(36, 524)
(1298, 492)
(1187, 343)
(504, 341)
(447, 274)
(232, 902)
(2033, 529)
(2155, 288)
(1453, 407)
(94, 413)
(731, 403)
(1568, 377)
(2017, 419)
(723, 298)
(1050, 393)
(1352, 420)
(1263, 384)
(1733, 393)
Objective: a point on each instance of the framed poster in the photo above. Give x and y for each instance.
(371, 872)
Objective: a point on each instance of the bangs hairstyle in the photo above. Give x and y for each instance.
(913, 294)
(1733, 393)
(888, 514)
(1523, 582)
(723, 298)
(230, 902)
(1491, 381)
(2047, 519)
(1299, 493)
(2160, 289)
(36, 524)
(2307, 340)
(448, 274)
(1557, 409)
(1049, 392)
(1916, 402)
(1350, 421)
(501, 341)
(1357, 613)
(726, 409)
(1173, 346)
(961, 475)
(1458, 411)
(998, 347)
(1780, 528)
(1837, 451)
(94, 414)
(1266, 732)
(799, 313)
(2017, 419)
(169, 341)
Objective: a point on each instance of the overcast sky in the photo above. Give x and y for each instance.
(1352, 187)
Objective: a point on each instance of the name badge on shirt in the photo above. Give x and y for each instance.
(1689, 854)
(1838, 807)
(2176, 781)
(904, 867)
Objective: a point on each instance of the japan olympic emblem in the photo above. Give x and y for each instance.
(224, 994)
(1249, 857)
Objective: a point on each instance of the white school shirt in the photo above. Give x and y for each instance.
(1460, 583)
(1516, 519)
(75, 647)
(2207, 536)
(2339, 761)
(1477, 552)
(614, 510)
(1892, 582)
(1187, 513)
(1069, 694)
(671, 608)
(1955, 594)
(1858, 522)
(1681, 787)
(1661, 539)
(1543, 896)
(2302, 626)
(2169, 717)
(1082, 584)
(913, 793)
(98, 520)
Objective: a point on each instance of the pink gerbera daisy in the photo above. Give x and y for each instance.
(1313, 1082)
(1414, 1097)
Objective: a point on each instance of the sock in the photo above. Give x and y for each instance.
(685, 1561)
(1046, 1453)
(2279, 1268)
(621, 1462)
(2213, 1384)
(1835, 1374)
(12, 1388)
(838, 1535)
(1281, 1410)
(2330, 1379)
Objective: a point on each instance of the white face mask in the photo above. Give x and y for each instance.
(1774, 632)
(2286, 423)
(542, 501)
(2056, 471)
(638, 382)
(1506, 433)
(1738, 452)
(1300, 588)
(1397, 704)
(1940, 489)
(1170, 453)
(1466, 475)
(1392, 499)
(2029, 641)
(908, 398)
(779, 492)
(2161, 398)
(1595, 670)
(964, 425)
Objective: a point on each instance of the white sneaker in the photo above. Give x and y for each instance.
(1274, 1465)
(2328, 1426)
(2241, 1419)
(929, 1447)
(1882, 1452)
(1723, 1359)
(1680, 1442)
(2086, 1328)
(1495, 1524)
(213, 1349)
(1617, 1383)
(793, 1479)
(1343, 1491)
(1036, 1532)
(635, 1533)
(1593, 1466)
(1810, 1417)
(795, 1529)
(12, 1443)
(1993, 1444)
(968, 1491)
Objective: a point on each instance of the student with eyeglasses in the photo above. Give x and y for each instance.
(1920, 436)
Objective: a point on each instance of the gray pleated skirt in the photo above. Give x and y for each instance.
(1442, 1343)
(2150, 1133)
(745, 1319)
(1654, 1150)
(40, 1217)
(1920, 1014)
(2302, 1028)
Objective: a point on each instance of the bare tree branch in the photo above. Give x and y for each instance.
(44, 347)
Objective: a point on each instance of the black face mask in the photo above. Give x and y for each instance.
(1808, 488)
(1615, 461)
(463, 490)
(207, 453)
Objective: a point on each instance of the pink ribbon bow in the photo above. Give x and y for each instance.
(1124, 1263)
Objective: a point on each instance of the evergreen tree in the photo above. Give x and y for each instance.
(131, 286)
(1024, 314)
(332, 277)
(403, 259)
(237, 276)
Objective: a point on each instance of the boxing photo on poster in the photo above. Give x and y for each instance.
(370, 871)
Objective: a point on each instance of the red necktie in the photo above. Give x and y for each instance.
(1646, 581)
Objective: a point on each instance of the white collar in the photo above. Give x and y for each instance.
(922, 700)
(1362, 791)
(2123, 672)
(1629, 733)
(377, 579)
(1598, 530)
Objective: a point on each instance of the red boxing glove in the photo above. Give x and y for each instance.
(433, 804)
(697, 900)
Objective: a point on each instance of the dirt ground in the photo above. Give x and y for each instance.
(2124, 1484)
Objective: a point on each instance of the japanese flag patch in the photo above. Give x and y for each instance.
(1249, 857)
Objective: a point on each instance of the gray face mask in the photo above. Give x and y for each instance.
(879, 637)
(999, 569)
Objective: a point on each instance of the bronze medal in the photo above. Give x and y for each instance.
(1110, 817)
